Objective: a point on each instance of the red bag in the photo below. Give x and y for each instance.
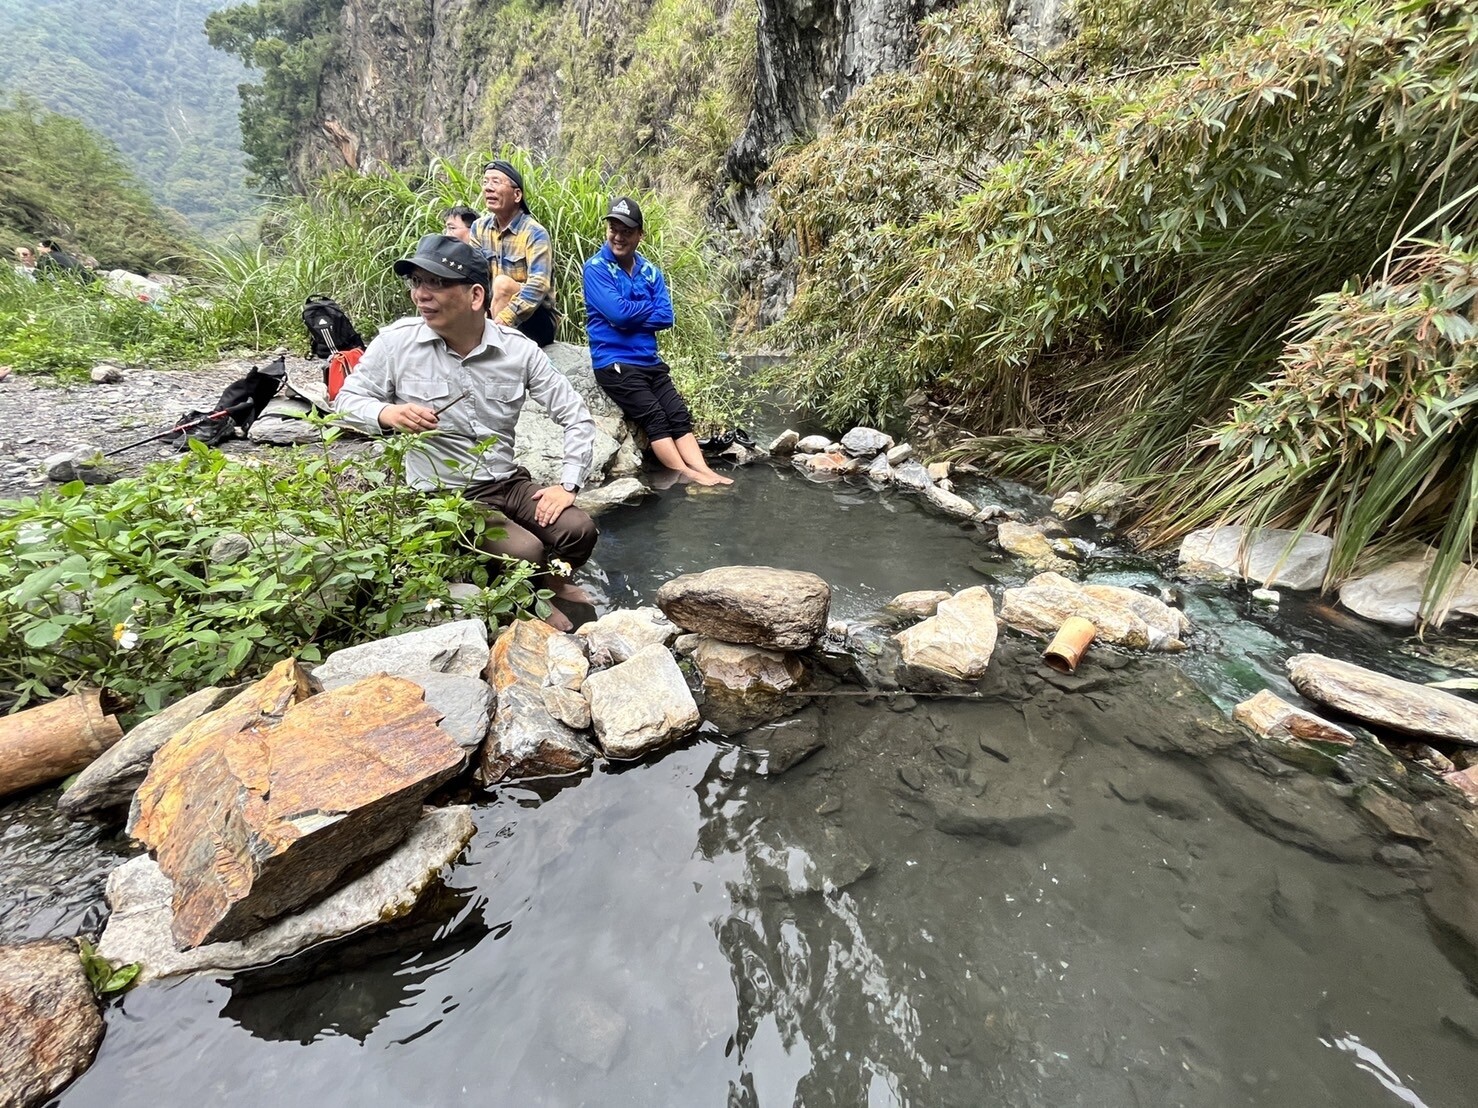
(338, 369)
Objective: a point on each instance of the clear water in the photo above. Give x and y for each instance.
(1033, 899)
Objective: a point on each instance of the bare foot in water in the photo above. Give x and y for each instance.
(565, 589)
(708, 477)
(558, 620)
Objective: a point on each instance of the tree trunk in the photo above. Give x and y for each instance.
(45, 744)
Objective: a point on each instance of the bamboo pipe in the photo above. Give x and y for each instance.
(1069, 644)
(45, 744)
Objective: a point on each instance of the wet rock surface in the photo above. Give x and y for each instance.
(49, 1022)
(1387, 701)
(527, 738)
(641, 704)
(618, 635)
(744, 686)
(779, 609)
(957, 640)
(1121, 616)
(459, 647)
(1268, 557)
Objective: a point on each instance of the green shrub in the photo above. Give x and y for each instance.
(116, 585)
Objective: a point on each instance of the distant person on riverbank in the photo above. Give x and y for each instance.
(458, 222)
(454, 371)
(25, 262)
(626, 304)
(54, 261)
(520, 255)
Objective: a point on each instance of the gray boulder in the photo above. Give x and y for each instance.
(880, 472)
(618, 635)
(900, 454)
(1386, 701)
(1271, 557)
(459, 647)
(139, 894)
(781, 609)
(465, 704)
(110, 782)
(951, 503)
(912, 475)
(783, 445)
(812, 444)
(602, 498)
(539, 441)
(532, 734)
(1393, 593)
(864, 442)
(641, 705)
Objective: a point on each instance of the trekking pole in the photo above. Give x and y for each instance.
(191, 424)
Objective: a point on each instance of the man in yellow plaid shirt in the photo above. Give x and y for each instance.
(520, 256)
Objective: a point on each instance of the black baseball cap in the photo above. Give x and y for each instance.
(446, 257)
(625, 210)
(508, 170)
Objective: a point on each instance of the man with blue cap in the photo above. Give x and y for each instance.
(461, 379)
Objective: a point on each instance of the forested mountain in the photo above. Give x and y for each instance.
(143, 75)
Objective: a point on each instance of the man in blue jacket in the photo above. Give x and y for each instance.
(626, 304)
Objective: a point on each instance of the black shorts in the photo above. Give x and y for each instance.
(648, 397)
(539, 326)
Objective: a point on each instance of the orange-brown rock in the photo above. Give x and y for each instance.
(526, 739)
(261, 807)
(1269, 714)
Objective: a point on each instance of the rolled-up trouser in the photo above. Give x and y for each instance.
(646, 394)
(571, 537)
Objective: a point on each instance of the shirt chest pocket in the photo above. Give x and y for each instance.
(422, 389)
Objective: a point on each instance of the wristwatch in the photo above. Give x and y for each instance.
(571, 489)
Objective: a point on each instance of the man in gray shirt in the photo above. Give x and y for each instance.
(457, 377)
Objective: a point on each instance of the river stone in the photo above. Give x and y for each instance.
(539, 441)
(459, 647)
(1393, 593)
(253, 817)
(526, 739)
(950, 503)
(112, 779)
(957, 640)
(812, 858)
(465, 704)
(919, 604)
(623, 490)
(864, 442)
(899, 454)
(1388, 701)
(230, 548)
(105, 374)
(780, 609)
(912, 475)
(1271, 716)
(828, 462)
(880, 472)
(618, 635)
(812, 444)
(1217, 552)
(784, 444)
(1104, 498)
(49, 1022)
(1124, 617)
(139, 894)
(938, 471)
(745, 686)
(641, 704)
(1031, 546)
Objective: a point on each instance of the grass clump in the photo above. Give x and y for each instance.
(1121, 253)
(210, 569)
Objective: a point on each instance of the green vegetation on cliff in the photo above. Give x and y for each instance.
(58, 179)
(1223, 253)
(143, 75)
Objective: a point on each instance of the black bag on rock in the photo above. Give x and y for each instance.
(240, 404)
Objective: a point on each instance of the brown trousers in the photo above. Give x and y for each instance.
(571, 537)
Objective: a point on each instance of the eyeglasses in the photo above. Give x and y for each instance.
(431, 281)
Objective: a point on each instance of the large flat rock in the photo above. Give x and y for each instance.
(260, 807)
(139, 894)
(539, 441)
(779, 609)
(530, 666)
(49, 1022)
(641, 705)
(1393, 593)
(1386, 701)
(459, 647)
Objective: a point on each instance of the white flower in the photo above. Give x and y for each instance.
(560, 568)
(125, 638)
(433, 605)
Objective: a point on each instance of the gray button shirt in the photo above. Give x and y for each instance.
(408, 363)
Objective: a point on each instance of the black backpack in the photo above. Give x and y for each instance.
(239, 405)
(329, 327)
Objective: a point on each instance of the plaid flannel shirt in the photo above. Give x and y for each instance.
(524, 252)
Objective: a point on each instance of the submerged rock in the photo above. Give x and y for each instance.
(258, 808)
(919, 604)
(744, 686)
(957, 640)
(618, 635)
(140, 926)
(780, 609)
(49, 1022)
(641, 704)
(110, 782)
(458, 647)
(530, 666)
(1270, 556)
(1031, 546)
(1120, 616)
(1270, 715)
(1387, 701)
(1393, 593)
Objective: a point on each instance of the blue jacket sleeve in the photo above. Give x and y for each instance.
(603, 298)
(660, 317)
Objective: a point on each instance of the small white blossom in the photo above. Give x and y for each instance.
(125, 637)
(433, 605)
(560, 568)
